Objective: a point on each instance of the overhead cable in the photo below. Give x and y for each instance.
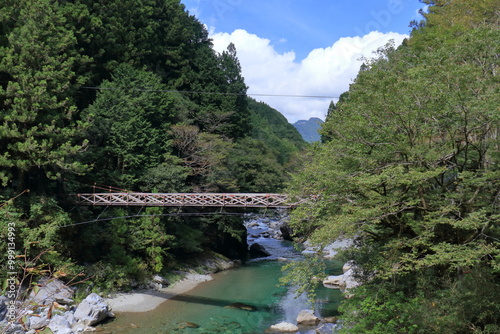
(156, 215)
(212, 93)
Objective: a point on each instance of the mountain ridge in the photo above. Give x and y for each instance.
(309, 129)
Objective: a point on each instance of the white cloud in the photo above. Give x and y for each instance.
(324, 72)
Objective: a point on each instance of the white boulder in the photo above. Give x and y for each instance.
(60, 325)
(307, 317)
(92, 310)
(285, 327)
(52, 290)
(345, 282)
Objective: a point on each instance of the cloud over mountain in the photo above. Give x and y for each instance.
(324, 72)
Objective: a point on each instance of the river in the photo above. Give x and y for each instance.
(256, 284)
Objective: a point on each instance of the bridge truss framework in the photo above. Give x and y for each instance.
(229, 200)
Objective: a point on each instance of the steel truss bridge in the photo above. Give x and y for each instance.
(228, 200)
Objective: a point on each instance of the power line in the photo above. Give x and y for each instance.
(212, 93)
(156, 215)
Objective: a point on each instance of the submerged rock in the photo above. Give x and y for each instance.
(242, 306)
(326, 329)
(284, 327)
(187, 324)
(330, 320)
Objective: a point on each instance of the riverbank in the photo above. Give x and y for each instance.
(248, 299)
(149, 299)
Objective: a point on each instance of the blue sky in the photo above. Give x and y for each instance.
(303, 47)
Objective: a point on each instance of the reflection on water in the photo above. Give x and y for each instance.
(246, 300)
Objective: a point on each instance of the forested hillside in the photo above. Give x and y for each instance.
(410, 169)
(128, 94)
(272, 128)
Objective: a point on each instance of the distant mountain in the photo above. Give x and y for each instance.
(309, 129)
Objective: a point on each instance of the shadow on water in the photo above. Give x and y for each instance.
(220, 303)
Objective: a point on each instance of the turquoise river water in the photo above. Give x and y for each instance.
(206, 306)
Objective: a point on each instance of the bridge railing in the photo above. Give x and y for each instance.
(255, 200)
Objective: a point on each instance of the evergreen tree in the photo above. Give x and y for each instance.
(221, 94)
(38, 129)
(131, 119)
(88, 95)
(234, 84)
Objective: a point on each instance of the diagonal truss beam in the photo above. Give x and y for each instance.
(255, 200)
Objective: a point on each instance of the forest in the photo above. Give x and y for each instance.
(409, 169)
(129, 96)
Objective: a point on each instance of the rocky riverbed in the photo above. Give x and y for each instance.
(50, 307)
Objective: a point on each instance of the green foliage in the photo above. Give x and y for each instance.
(38, 131)
(142, 240)
(130, 120)
(255, 167)
(168, 177)
(272, 128)
(35, 242)
(223, 114)
(45, 220)
(205, 154)
(382, 312)
(462, 306)
(409, 169)
(96, 93)
(304, 275)
(190, 239)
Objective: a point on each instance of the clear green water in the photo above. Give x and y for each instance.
(255, 284)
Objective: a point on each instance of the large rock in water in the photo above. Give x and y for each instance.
(286, 232)
(344, 282)
(257, 250)
(285, 327)
(307, 317)
(334, 282)
(92, 310)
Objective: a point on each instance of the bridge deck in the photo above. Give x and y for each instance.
(187, 200)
